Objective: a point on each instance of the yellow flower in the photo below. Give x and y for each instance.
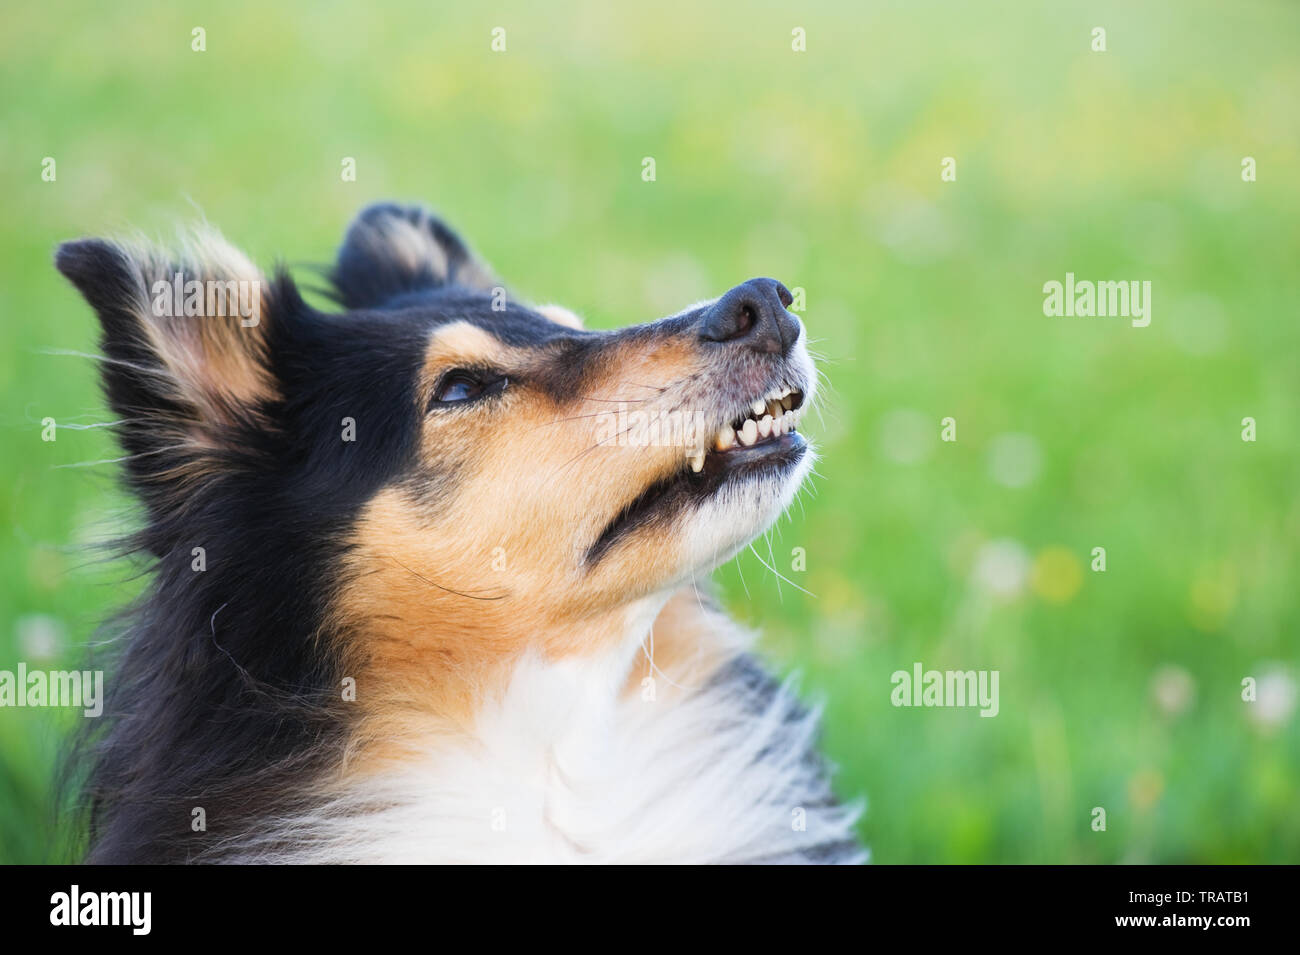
(1057, 575)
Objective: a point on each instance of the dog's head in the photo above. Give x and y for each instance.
(449, 468)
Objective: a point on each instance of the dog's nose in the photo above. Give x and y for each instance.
(752, 315)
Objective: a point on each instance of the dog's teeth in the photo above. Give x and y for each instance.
(786, 401)
(758, 407)
(787, 421)
(765, 426)
(749, 433)
(726, 439)
(774, 407)
(778, 426)
(696, 461)
(784, 392)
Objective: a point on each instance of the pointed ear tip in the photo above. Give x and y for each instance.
(68, 254)
(388, 207)
(379, 215)
(79, 257)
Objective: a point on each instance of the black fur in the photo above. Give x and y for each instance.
(226, 691)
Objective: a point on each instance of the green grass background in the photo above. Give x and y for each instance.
(1119, 689)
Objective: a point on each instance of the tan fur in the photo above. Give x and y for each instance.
(448, 586)
(214, 366)
(691, 638)
(560, 315)
(216, 360)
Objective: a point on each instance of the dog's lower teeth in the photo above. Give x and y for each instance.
(696, 461)
(765, 426)
(749, 433)
(726, 439)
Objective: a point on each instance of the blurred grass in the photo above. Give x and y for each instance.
(924, 298)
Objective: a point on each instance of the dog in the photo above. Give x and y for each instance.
(429, 570)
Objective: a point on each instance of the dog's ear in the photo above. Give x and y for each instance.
(185, 361)
(393, 250)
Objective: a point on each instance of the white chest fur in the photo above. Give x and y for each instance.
(567, 767)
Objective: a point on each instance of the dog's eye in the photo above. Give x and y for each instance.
(462, 385)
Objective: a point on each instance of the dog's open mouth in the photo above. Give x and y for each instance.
(762, 439)
(765, 421)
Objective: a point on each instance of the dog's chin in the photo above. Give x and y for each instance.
(703, 519)
(727, 489)
(741, 499)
